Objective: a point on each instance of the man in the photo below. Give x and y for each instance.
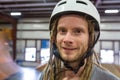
(74, 29)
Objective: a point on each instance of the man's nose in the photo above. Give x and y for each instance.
(68, 38)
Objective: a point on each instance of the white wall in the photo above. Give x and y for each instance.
(107, 32)
(31, 29)
(35, 24)
(112, 35)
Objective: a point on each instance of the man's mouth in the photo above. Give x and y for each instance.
(65, 48)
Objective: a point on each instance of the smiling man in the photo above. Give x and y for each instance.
(74, 30)
(72, 38)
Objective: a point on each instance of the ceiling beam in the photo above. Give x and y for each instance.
(27, 5)
(8, 1)
(108, 7)
(97, 3)
(111, 1)
(27, 9)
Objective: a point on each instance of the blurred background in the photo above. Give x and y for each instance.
(26, 24)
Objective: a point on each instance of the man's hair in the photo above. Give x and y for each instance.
(54, 69)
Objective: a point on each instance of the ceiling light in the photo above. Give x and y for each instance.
(15, 13)
(112, 11)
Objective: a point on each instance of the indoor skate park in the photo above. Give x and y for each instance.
(24, 38)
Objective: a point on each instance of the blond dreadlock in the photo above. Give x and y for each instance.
(54, 69)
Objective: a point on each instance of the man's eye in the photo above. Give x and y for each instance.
(62, 31)
(77, 31)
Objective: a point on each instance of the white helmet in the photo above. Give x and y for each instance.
(76, 6)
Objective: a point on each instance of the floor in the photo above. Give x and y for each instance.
(30, 73)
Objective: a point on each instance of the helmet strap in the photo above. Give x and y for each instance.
(72, 69)
(56, 52)
(66, 64)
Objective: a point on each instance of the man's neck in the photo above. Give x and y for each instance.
(71, 75)
(76, 66)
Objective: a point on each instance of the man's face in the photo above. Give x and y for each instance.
(72, 37)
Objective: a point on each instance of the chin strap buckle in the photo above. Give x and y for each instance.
(72, 69)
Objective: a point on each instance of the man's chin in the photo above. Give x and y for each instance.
(69, 60)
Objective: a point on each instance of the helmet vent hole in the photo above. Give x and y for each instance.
(62, 3)
(81, 2)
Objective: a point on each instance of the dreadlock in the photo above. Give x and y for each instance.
(55, 70)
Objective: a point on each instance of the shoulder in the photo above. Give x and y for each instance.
(102, 74)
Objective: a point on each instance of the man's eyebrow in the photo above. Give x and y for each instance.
(59, 27)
